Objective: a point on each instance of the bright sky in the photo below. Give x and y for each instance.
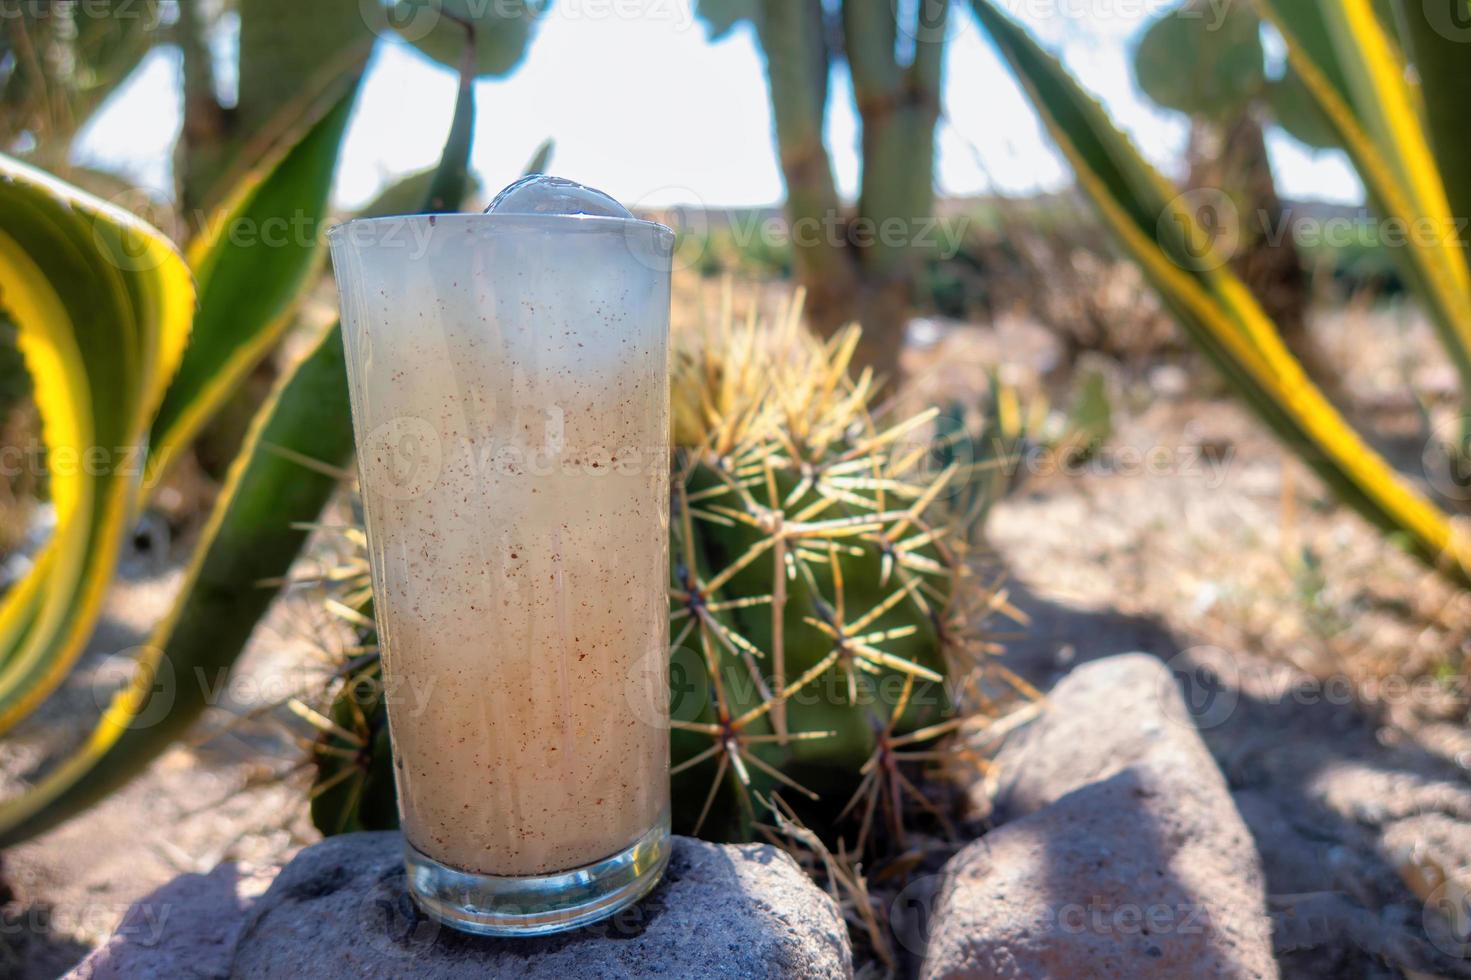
(649, 110)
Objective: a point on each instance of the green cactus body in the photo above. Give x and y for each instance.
(853, 694)
(354, 787)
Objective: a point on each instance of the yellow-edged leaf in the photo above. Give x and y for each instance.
(1434, 36)
(1215, 307)
(252, 262)
(252, 536)
(102, 303)
(1355, 72)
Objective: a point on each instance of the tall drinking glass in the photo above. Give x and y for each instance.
(510, 404)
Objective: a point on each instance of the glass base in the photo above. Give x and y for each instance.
(489, 905)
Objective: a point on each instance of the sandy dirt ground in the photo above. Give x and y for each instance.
(234, 791)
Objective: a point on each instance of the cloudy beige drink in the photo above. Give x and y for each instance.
(510, 401)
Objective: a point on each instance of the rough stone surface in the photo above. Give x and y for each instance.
(340, 910)
(187, 928)
(1122, 854)
(1338, 794)
(1101, 719)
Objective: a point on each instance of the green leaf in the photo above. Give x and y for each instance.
(1158, 227)
(452, 180)
(407, 195)
(252, 264)
(252, 537)
(1351, 65)
(102, 304)
(1437, 34)
(541, 158)
(502, 29)
(1295, 110)
(722, 16)
(1202, 59)
(1090, 421)
(110, 40)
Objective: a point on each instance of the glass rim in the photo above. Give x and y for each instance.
(570, 222)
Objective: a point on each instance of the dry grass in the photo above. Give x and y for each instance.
(1233, 540)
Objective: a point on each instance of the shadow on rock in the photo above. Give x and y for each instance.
(1331, 808)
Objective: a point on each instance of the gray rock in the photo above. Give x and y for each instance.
(1104, 717)
(1123, 854)
(187, 928)
(340, 909)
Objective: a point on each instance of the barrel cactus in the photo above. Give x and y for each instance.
(821, 603)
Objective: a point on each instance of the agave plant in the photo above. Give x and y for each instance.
(1351, 64)
(132, 349)
(125, 363)
(824, 616)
